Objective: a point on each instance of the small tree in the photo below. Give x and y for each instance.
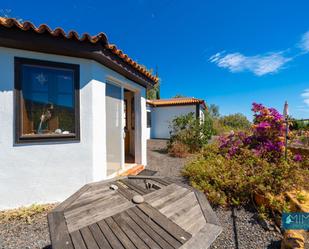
(178, 96)
(190, 132)
(236, 121)
(213, 111)
(153, 92)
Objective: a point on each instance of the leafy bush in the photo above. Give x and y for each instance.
(244, 164)
(189, 132)
(299, 125)
(236, 121)
(234, 180)
(219, 128)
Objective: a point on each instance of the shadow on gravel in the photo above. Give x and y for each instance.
(235, 228)
(161, 151)
(274, 245)
(47, 247)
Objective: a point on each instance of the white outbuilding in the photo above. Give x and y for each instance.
(161, 112)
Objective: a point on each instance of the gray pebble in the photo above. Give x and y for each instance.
(138, 199)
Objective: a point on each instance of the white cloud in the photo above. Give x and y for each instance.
(304, 42)
(305, 96)
(261, 64)
(258, 64)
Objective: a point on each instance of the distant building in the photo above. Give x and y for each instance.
(161, 112)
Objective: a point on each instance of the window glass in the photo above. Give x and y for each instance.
(47, 101)
(148, 119)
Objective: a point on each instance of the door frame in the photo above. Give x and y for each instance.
(138, 129)
(122, 124)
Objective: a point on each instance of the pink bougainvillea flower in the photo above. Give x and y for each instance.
(298, 158)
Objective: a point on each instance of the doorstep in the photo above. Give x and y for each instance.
(133, 170)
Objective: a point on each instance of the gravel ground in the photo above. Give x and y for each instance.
(240, 227)
(20, 235)
(158, 160)
(241, 230)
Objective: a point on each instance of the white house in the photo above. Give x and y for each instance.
(161, 112)
(72, 111)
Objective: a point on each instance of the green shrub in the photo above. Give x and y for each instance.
(190, 132)
(235, 180)
(220, 128)
(236, 121)
(233, 122)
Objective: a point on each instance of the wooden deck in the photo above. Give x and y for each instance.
(173, 215)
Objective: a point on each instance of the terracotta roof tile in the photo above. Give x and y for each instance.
(175, 101)
(59, 32)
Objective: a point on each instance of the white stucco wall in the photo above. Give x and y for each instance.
(163, 116)
(49, 172)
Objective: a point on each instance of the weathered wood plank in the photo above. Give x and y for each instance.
(90, 197)
(125, 241)
(177, 232)
(209, 214)
(148, 230)
(96, 203)
(138, 230)
(204, 238)
(164, 234)
(58, 231)
(99, 237)
(110, 236)
(194, 227)
(88, 238)
(135, 187)
(97, 212)
(158, 179)
(66, 203)
(169, 199)
(63, 205)
(163, 181)
(78, 240)
(124, 191)
(136, 240)
(157, 195)
(190, 217)
(188, 200)
(108, 181)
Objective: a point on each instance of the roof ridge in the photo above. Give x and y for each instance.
(182, 98)
(84, 37)
(175, 101)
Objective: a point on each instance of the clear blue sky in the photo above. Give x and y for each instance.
(229, 53)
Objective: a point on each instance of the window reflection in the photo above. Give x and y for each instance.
(48, 106)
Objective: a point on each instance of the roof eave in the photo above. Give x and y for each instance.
(29, 40)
